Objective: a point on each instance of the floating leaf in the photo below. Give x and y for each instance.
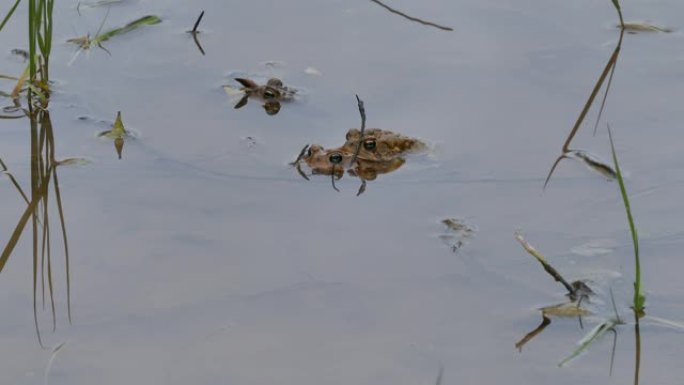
(567, 309)
(594, 163)
(117, 131)
(637, 27)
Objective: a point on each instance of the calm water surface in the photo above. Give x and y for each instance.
(202, 257)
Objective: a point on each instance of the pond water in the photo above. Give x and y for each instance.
(202, 257)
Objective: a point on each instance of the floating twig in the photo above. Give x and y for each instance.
(417, 20)
(362, 112)
(547, 267)
(199, 19)
(194, 32)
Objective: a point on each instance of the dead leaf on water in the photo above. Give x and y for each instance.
(637, 27)
(73, 162)
(567, 309)
(594, 163)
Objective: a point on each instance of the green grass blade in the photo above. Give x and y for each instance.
(616, 3)
(145, 20)
(32, 40)
(639, 297)
(9, 14)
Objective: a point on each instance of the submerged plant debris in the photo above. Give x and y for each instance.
(457, 233)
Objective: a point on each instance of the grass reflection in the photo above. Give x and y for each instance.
(44, 181)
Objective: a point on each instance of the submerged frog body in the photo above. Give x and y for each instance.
(271, 94)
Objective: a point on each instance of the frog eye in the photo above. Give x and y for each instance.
(335, 158)
(308, 153)
(369, 144)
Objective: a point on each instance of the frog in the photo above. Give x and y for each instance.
(271, 94)
(380, 152)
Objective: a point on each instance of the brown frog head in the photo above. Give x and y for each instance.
(327, 162)
(380, 145)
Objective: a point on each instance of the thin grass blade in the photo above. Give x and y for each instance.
(639, 297)
(145, 20)
(9, 14)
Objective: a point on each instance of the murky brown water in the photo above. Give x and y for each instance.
(202, 257)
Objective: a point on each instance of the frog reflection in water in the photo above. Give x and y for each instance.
(379, 152)
(271, 94)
